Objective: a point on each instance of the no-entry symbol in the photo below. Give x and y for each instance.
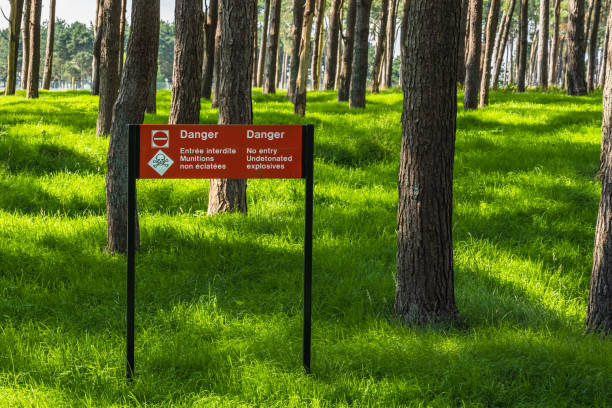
(160, 139)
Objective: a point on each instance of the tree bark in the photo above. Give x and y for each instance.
(388, 81)
(554, 47)
(463, 22)
(380, 46)
(34, 60)
(272, 53)
(472, 66)
(360, 59)
(25, 60)
(522, 50)
(14, 31)
(604, 58)
(296, 38)
(593, 34)
(346, 72)
(109, 61)
(532, 58)
(49, 49)
(302, 79)
(339, 56)
(504, 31)
(315, 71)
(139, 70)
(95, 64)
(235, 103)
(576, 83)
(209, 60)
(121, 37)
(488, 51)
(424, 282)
(152, 97)
(331, 62)
(542, 68)
(216, 69)
(264, 44)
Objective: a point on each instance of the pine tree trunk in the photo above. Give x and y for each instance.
(49, 50)
(25, 34)
(532, 58)
(463, 22)
(284, 70)
(269, 86)
(122, 37)
(235, 105)
(209, 60)
(576, 81)
(424, 282)
(472, 65)
(331, 62)
(109, 61)
(388, 77)
(302, 79)
(187, 69)
(488, 51)
(339, 56)
(216, 69)
(542, 68)
(380, 46)
(360, 58)
(554, 47)
(504, 30)
(587, 22)
(152, 97)
(522, 50)
(130, 108)
(296, 38)
(264, 45)
(95, 64)
(346, 72)
(594, 31)
(34, 60)
(604, 58)
(14, 31)
(316, 66)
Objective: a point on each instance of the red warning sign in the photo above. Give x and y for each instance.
(220, 151)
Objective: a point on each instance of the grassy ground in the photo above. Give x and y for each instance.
(219, 299)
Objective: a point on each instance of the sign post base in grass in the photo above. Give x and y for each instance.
(219, 151)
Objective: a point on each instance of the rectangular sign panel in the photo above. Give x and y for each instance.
(220, 151)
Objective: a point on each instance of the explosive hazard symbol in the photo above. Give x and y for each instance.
(161, 162)
(160, 139)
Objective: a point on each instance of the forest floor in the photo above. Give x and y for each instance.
(218, 310)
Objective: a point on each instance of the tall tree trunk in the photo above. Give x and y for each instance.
(554, 47)
(272, 53)
(109, 61)
(604, 58)
(283, 76)
(463, 22)
(503, 41)
(472, 65)
(522, 50)
(594, 31)
(388, 81)
(264, 44)
(360, 59)
(424, 291)
(346, 72)
(49, 49)
(139, 71)
(235, 103)
(599, 311)
(209, 60)
(34, 60)
(152, 97)
(122, 36)
(95, 64)
(339, 56)
(532, 58)
(296, 38)
(331, 65)
(315, 70)
(187, 69)
(13, 55)
(587, 21)
(380, 46)
(216, 66)
(542, 69)
(488, 51)
(576, 83)
(25, 60)
(299, 107)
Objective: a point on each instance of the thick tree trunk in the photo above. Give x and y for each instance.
(296, 38)
(554, 47)
(34, 60)
(14, 31)
(130, 108)
(95, 64)
(424, 282)
(472, 65)
(360, 59)
(264, 44)
(504, 30)
(216, 69)
(380, 46)
(235, 103)
(209, 60)
(488, 51)
(346, 72)
(25, 60)
(522, 50)
(542, 68)
(49, 49)
(576, 83)
(315, 70)
(122, 36)
(187, 69)
(599, 311)
(388, 77)
(299, 107)
(331, 62)
(269, 86)
(463, 22)
(593, 34)
(109, 61)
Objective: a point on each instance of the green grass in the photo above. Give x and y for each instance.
(219, 299)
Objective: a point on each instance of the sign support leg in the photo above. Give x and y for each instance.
(131, 248)
(308, 143)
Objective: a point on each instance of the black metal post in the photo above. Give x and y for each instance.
(134, 132)
(308, 146)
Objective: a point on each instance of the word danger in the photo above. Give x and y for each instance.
(252, 134)
(185, 134)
